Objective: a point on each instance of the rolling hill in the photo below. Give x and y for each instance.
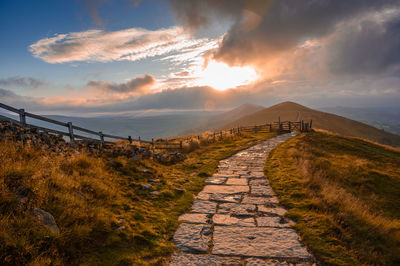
(215, 122)
(290, 111)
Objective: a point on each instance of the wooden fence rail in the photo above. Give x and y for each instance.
(73, 136)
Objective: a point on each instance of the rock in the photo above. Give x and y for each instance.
(46, 219)
(260, 200)
(225, 197)
(215, 180)
(237, 182)
(146, 186)
(183, 259)
(203, 206)
(193, 237)
(260, 262)
(225, 189)
(198, 218)
(258, 242)
(237, 209)
(179, 190)
(261, 191)
(120, 228)
(226, 219)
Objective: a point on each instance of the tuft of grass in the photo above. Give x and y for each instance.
(343, 193)
(104, 213)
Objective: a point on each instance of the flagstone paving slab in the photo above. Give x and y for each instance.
(193, 237)
(258, 242)
(236, 182)
(184, 259)
(225, 189)
(226, 219)
(203, 206)
(199, 218)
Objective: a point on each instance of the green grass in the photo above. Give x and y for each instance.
(90, 198)
(344, 195)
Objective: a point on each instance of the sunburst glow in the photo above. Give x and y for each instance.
(220, 76)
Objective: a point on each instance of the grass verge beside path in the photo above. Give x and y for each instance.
(105, 214)
(344, 195)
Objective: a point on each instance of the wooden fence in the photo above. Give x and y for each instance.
(280, 126)
(73, 128)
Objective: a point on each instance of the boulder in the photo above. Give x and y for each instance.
(46, 219)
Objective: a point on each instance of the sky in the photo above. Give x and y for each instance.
(112, 56)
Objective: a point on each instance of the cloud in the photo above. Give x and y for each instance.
(138, 85)
(261, 31)
(22, 82)
(100, 46)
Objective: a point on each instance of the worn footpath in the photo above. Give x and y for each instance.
(236, 219)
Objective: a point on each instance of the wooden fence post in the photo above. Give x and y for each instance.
(101, 137)
(270, 127)
(311, 124)
(180, 145)
(130, 139)
(71, 132)
(22, 117)
(290, 126)
(152, 144)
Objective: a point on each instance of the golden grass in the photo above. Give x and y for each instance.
(90, 198)
(343, 193)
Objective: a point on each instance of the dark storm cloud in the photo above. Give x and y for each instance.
(22, 82)
(369, 46)
(279, 26)
(139, 85)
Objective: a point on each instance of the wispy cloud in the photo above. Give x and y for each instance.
(138, 85)
(22, 82)
(101, 46)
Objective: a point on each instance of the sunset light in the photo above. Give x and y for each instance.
(220, 76)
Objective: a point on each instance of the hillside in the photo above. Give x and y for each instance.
(321, 120)
(72, 207)
(215, 122)
(343, 194)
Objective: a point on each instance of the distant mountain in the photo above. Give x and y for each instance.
(215, 122)
(387, 119)
(290, 111)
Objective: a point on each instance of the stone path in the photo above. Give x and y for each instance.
(236, 219)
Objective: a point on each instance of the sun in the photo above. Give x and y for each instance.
(221, 77)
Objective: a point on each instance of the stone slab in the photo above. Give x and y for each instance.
(261, 190)
(203, 206)
(260, 200)
(236, 182)
(193, 237)
(226, 197)
(258, 242)
(261, 262)
(198, 218)
(225, 189)
(215, 180)
(237, 209)
(226, 219)
(184, 259)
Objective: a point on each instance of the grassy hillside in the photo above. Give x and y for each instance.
(333, 123)
(105, 214)
(215, 122)
(344, 195)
